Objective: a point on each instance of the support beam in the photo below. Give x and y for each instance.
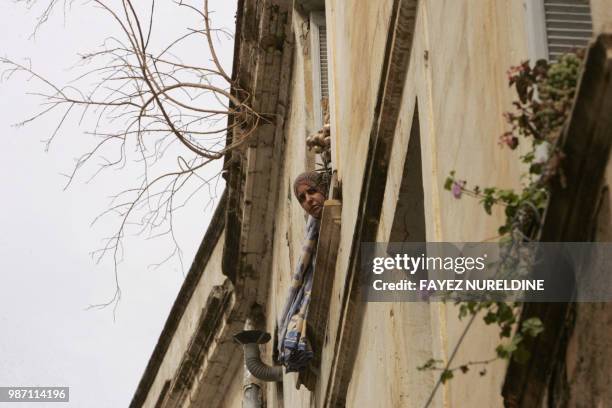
(570, 216)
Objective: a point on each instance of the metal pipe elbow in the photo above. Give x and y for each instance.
(250, 340)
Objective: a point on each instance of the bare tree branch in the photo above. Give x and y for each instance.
(132, 93)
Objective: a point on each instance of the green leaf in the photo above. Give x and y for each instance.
(490, 318)
(521, 355)
(501, 351)
(463, 311)
(504, 312)
(506, 350)
(510, 211)
(528, 158)
(489, 190)
(429, 364)
(445, 376)
(507, 196)
(504, 229)
(532, 326)
(536, 168)
(448, 183)
(506, 331)
(488, 204)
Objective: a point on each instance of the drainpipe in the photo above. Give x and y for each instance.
(250, 340)
(256, 370)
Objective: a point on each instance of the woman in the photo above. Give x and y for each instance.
(310, 189)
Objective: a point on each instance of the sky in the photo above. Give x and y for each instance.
(49, 337)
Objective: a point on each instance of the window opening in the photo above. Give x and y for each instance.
(409, 219)
(320, 81)
(555, 27)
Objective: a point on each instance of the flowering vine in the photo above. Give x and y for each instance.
(545, 96)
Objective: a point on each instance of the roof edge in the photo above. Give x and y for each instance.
(211, 237)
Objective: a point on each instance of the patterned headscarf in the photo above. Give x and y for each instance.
(314, 179)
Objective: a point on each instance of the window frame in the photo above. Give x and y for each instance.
(535, 22)
(317, 19)
(537, 29)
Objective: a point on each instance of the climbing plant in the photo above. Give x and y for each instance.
(545, 94)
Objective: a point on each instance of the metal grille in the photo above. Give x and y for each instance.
(568, 26)
(323, 61)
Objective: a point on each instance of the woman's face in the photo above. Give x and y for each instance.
(310, 199)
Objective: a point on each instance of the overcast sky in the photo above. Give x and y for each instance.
(48, 338)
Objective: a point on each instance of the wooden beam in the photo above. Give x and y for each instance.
(570, 216)
(323, 282)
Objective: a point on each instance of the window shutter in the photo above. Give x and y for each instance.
(568, 26)
(323, 61)
(320, 75)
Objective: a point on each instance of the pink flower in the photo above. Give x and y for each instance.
(513, 71)
(509, 140)
(457, 188)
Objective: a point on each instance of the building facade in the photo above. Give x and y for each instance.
(413, 90)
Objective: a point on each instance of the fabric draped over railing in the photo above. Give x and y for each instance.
(295, 351)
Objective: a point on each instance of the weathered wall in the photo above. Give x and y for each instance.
(357, 36)
(602, 15)
(352, 124)
(234, 393)
(290, 220)
(457, 74)
(180, 341)
(587, 380)
(468, 95)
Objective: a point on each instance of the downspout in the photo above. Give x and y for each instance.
(256, 370)
(250, 340)
(251, 387)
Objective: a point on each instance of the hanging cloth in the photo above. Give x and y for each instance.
(294, 349)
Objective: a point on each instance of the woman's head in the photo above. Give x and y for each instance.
(310, 188)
